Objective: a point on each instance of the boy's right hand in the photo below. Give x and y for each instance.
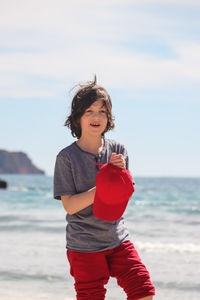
(118, 160)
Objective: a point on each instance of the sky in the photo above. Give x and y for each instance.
(146, 54)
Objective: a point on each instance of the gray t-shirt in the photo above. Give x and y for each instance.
(75, 172)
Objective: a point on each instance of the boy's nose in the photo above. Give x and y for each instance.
(97, 115)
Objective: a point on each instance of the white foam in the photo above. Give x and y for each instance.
(168, 247)
(18, 189)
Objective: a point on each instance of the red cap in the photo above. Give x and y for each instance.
(114, 187)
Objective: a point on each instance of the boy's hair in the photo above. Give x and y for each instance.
(84, 98)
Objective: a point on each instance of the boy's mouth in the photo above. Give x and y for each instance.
(94, 124)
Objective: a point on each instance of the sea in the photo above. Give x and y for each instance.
(163, 218)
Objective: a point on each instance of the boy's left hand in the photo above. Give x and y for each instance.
(118, 160)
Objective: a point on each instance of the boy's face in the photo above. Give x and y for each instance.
(94, 120)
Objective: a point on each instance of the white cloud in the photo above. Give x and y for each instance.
(73, 40)
(83, 19)
(116, 66)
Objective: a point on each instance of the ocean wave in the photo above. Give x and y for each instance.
(25, 218)
(29, 188)
(10, 275)
(168, 247)
(172, 285)
(31, 227)
(18, 189)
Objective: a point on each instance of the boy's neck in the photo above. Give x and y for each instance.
(93, 145)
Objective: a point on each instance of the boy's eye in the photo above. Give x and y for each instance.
(102, 111)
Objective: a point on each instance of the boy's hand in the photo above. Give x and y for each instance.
(118, 160)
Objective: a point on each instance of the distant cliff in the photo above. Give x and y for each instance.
(17, 163)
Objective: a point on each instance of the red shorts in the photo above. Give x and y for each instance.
(91, 271)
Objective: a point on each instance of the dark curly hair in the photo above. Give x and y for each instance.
(86, 95)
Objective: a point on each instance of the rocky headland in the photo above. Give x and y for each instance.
(17, 163)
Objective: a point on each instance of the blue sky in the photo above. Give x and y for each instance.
(145, 53)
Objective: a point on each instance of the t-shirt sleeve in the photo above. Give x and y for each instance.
(63, 178)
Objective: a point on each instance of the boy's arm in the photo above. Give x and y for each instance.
(74, 203)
